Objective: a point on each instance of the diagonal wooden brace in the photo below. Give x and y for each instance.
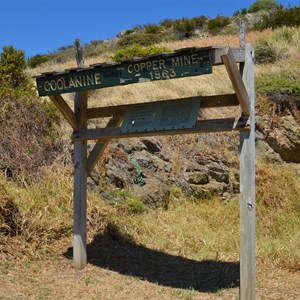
(101, 145)
(237, 82)
(65, 109)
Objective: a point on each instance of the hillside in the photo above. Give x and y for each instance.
(176, 237)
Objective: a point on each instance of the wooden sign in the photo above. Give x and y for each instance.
(163, 115)
(184, 63)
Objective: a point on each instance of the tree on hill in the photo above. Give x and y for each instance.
(263, 5)
(12, 67)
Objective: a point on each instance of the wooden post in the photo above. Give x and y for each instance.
(242, 34)
(247, 188)
(80, 175)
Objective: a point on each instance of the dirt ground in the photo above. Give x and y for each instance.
(122, 270)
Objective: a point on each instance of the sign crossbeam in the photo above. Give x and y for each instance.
(214, 101)
(203, 126)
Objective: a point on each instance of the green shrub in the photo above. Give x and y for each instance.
(278, 83)
(134, 205)
(97, 48)
(143, 39)
(280, 18)
(200, 21)
(36, 60)
(167, 23)
(215, 25)
(243, 11)
(28, 136)
(263, 5)
(265, 51)
(137, 50)
(152, 29)
(128, 31)
(186, 27)
(230, 30)
(278, 46)
(12, 67)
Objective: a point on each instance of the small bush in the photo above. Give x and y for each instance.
(243, 11)
(280, 18)
(186, 27)
(278, 83)
(152, 29)
(200, 21)
(12, 67)
(36, 60)
(263, 5)
(134, 205)
(278, 46)
(167, 23)
(99, 48)
(143, 39)
(265, 51)
(215, 25)
(137, 50)
(28, 136)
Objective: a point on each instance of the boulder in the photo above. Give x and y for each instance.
(116, 178)
(207, 191)
(285, 139)
(154, 193)
(111, 197)
(153, 144)
(198, 177)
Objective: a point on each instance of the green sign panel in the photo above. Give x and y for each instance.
(184, 63)
(163, 115)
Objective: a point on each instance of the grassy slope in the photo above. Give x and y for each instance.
(171, 249)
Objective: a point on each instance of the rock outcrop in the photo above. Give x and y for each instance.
(278, 134)
(162, 165)
(197, 177)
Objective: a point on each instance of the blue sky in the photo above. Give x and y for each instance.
(42, 26)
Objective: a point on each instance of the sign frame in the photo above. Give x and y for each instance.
(184, 63)
(243, 84)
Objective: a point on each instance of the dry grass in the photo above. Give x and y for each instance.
(216, 83)
(227, 40)
(179, 253)
(58, 280)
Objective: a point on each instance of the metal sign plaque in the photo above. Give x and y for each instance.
(163, 115)
(183, 63)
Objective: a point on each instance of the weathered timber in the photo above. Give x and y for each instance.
(203, 126)
(79, 54)
(242, 33)
(183, 63)
(80, 185)
(237, 82)
(65, 109)
(247, 189)
(80, 176)
(206, 102)
(100, 146)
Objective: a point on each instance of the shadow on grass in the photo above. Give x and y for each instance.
(114, 251)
